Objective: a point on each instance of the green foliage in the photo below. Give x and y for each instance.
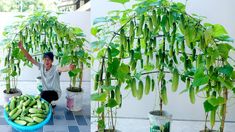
(163, 32)
(41, 32)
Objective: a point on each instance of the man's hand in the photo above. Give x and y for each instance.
(71, 67)
(20, 45)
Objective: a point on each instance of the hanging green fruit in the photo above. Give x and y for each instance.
(164, 94)
(96, 83)
(118, 94)
(132, 29)
(192, 94)
(133, 87)
(153, 84)
(147, 84)
(140, 90)
(175, 80)
(150, 24)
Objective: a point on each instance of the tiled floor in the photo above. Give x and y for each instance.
(62, 120)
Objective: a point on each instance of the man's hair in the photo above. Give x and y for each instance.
(49, 55)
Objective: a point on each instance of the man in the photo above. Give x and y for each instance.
(50, 75)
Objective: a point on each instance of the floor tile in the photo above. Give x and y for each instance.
(80, 120)
(69, 115)
(73, 129)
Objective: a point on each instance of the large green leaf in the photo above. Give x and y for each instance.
(80, 53)
(65, 60)
(113, 66)
(233, 75)
(200, 78)
(216, 101)
(123, 72)
(99, 97)
(100, 109)
(71, 74)
(226, 82)
(120, 1)
(108, 88)
(218, 30)
(224, 49)
(178, 7)
(76, 71)
(114, 52)
(227, 70)
(225, 38)
(208, 107)
(14, 73)
(112, 103)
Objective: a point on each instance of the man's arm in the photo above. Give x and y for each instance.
(66, 68)
(27, 55)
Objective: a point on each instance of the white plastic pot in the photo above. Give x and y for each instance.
(8, 96)
(74, 100)
(160, 123)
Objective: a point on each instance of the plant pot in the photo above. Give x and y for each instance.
(13, 92)
(39, 83)
(74, 100)
(160, 122)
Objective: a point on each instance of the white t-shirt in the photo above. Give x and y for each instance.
(50, 78)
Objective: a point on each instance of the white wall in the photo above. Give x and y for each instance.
(80, 19)
(216, 11)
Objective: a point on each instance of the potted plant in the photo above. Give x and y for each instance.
(41, 32)
(122, 53)
(74, 53)
(11, 69)
(163, 34)
(213, 75)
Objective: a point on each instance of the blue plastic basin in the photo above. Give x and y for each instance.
(28, 128)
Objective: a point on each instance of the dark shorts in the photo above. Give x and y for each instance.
(49, 95)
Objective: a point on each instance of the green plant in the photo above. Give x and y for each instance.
(155, 37)
(41, 32)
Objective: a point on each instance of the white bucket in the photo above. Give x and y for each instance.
(74, 100)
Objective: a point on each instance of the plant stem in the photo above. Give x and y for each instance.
(101, 83)
(206, 121)
(80, 76)
(111, 113)
(74, 79)
(162, 69)
(224, 108)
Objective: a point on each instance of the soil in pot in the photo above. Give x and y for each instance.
(74, 89)
(160, 121)
(12, 91)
